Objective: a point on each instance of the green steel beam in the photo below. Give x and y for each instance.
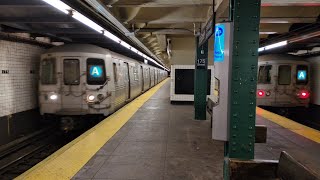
(245, 15)
(246, 18)
(200, 81)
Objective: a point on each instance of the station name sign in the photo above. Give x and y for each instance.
(206, 32)
(202, 63)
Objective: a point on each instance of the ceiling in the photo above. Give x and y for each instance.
(154, 22)
(39, 21)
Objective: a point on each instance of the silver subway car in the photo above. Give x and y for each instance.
(283, 81)
(82, 79)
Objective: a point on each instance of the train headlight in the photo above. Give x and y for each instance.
(91, 98)
(100, 97)
(268, 93)
(53, 97)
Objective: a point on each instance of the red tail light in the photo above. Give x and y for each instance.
(261, 93)
(303, 94)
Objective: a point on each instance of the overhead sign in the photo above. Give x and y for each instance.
(219, 42)
(206, 32)
(96, 71)
(302, 75)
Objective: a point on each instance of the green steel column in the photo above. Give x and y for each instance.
(246, 18)
(200, 81)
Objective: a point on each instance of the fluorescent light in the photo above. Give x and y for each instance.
(146, 61)
(111, 36)
(267, 33)
(279, 44)
(59, 5)
(87, 22)
(124, 44)
(261, 49)
(134, 50)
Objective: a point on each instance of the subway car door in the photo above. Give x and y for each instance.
(142, 78)
(71, 86)
(127, 80)
(284, 84)
(149, 78)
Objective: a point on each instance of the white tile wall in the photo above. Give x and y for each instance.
(18, 88)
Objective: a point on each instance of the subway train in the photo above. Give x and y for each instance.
(83, 79)
(283, 81)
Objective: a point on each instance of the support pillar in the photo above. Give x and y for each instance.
(200, 81)
(246, 18)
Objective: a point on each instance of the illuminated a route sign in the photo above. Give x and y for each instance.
(302, 75)
(96, 71)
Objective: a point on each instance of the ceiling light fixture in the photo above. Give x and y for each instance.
(59, 5)
(272, 46)
(88, 22)
(279, 44)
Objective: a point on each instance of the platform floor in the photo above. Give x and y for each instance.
(162, 141)
(281, 139)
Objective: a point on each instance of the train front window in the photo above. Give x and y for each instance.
(71, 72)
(264, 76)
(284, 75)
(96, 71)
(302, 75)
(48, 69)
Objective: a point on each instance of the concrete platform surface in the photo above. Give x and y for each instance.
(162, 141)
(281, 139)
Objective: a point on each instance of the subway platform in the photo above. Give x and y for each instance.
(151, 138)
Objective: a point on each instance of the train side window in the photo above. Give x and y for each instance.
(264, 76)
(71, 71)
(115, 72)
(96, 71)
(284, 75)
(48, 71)
(302, 75)
(135, 73)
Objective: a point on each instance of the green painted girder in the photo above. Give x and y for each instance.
(200, 82)
(246, 17)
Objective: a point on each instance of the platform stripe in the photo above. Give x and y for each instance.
(293, 126)
(67, 161)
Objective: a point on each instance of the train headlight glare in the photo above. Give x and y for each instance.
(53, 97)
(90, 98)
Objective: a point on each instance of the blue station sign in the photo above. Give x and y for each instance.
(219, 41)
(96, 71)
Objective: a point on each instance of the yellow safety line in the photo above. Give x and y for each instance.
(68, 160)
(295, 127)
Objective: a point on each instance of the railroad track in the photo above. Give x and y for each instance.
(22, 154)
(305, 116)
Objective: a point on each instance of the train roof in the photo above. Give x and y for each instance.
(87, 48)
(280, 57)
